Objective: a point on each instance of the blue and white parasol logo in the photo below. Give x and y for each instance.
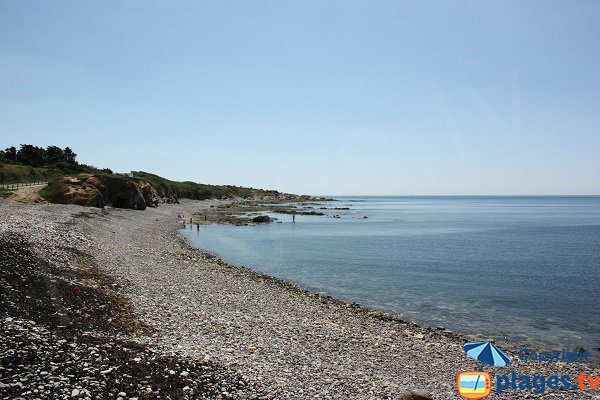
(487, 353)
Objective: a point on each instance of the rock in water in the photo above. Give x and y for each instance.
(262, 219)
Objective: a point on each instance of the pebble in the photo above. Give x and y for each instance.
(204, 313)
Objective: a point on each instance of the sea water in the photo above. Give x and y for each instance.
(522, 269)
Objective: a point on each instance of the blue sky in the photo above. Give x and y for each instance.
(322, 97)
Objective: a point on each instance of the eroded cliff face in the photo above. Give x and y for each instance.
(106, 190)
(149, 194)
(120, 192)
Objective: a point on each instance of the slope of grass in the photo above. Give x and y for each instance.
(199, 191)
(14, 173)
(17, 173)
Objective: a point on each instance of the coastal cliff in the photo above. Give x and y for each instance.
(106, 190)
(144, 190)
(86, 185)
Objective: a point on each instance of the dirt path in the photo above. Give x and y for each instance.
(28, 194)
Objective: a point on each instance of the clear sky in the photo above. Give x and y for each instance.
(321, 97)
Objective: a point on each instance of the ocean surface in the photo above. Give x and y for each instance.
(516, 269)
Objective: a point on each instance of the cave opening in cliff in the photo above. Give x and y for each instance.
(120, 202)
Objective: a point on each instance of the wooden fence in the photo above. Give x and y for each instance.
(12, 186)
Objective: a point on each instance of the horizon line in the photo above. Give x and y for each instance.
(461, 195)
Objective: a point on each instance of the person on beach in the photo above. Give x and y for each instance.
(293, 219)
(198, 227)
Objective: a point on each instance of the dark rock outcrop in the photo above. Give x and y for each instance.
(262, 219)
(107, 190)
(121, 192)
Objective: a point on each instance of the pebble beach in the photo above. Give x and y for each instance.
(181, 323)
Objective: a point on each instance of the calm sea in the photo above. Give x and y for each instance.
(522, 268)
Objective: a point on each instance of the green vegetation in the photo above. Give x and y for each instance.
(34, 164)
(54, 191)
(199, 191)
(14, 173)
(38, 156)
(17, 173)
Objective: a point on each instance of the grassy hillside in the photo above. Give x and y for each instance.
(13, 173)
(72, 182)
(168, 190)
(199, 191)
(17, 173)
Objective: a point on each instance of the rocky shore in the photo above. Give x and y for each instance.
(243, 212)
(112, 303)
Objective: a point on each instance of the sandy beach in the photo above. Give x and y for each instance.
(264, 338)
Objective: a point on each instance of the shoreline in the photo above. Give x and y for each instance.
(508, 345)
(243, 212)
(305, 344)
(357, 307)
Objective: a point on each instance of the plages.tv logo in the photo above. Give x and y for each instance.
(474, 384)
(478, 384)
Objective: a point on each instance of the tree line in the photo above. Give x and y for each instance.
(36, 156)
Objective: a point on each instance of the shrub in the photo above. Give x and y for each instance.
(54, 191)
